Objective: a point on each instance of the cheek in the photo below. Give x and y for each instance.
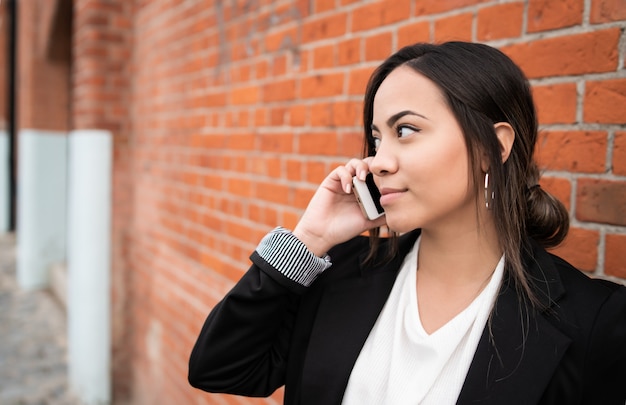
(447, 157)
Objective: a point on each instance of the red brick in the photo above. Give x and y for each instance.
(378, 47)
(321, 115)
(279, 91)
(245, 95)
(324, 5)
(348, 113)
(294, 170)
(602, 201)
(349, 51)
(604, 101)
(351, 144)
(413, 33)
(280, 39)
(619, 154)
(289, 220)
(327, 27)
(322, 85)
(615, 255)
(380, 13)
(433, 7)
(500, 21)
(358, 80)
(559, 188)
(317, 143)
(546, 15)
(315, 172)
(302, 197)
(455, 28)
(556, 103)
(272, 192)
(298, 115)
(575, 151)
(324, 56)
(607, 11)
(281, 143)
(580, 248)
(279, 66)
(278, 116)
(590, 52)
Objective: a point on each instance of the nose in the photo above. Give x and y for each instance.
(384, 161)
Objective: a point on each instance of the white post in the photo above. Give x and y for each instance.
(88, 265)
(41, 205)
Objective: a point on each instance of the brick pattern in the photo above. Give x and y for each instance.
(238, 109)
(4, 70)
(102, 65)
(43, 63)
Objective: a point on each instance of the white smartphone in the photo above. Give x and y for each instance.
(368, 197)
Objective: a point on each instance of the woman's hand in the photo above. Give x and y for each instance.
(333, 215)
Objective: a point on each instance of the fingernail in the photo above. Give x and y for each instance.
(347, 188)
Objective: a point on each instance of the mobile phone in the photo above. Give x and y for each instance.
(368, 197)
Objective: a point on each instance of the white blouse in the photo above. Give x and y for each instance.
(402, 364)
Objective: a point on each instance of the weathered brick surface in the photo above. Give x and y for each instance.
(580, 248)
(574, 151)
(615, 257)
(546, 15)
(228, 114)
(619, 154)
(556, 103)
(602, 201)
(600, 96)
(500, 21)
(4, 71)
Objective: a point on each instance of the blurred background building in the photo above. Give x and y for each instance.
(147, 145)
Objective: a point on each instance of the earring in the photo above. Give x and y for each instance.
(489, 197)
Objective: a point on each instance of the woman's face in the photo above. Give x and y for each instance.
(421, 164)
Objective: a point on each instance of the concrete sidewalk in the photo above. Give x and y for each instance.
(33, 340)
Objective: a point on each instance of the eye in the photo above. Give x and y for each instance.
(375, 143)
(404, 131)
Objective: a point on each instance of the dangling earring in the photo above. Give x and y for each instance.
(489, 197)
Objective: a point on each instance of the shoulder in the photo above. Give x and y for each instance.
(556, 280)
(349, 258)
(585, 288)
(596, 309)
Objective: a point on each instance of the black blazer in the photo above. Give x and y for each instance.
(269, 331)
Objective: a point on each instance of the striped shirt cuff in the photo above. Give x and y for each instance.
(287, 254)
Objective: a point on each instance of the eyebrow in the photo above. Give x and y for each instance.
(394, 118)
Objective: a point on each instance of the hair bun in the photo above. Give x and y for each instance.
(547, 219)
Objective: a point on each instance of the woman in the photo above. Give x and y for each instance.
(461, 303)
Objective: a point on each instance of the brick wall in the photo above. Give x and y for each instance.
(102, 48)
(43, 60)
(4, 69)
(239, 108)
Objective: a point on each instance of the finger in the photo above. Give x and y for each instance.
(359, 168)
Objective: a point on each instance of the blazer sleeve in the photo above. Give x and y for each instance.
(606, 359)
(243, 345)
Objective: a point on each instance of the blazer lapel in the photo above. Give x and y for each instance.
(517, 355)
(349, 309)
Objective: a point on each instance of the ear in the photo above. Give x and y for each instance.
(506, 137)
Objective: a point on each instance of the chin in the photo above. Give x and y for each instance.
(399, 226)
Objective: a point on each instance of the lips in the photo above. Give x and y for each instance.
(388, 194)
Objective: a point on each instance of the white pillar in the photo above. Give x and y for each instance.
(88, 265)
(41, 204)
(5, 175)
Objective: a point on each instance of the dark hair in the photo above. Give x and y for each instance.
(482, 86)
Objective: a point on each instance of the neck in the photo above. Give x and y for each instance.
(459, 256)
